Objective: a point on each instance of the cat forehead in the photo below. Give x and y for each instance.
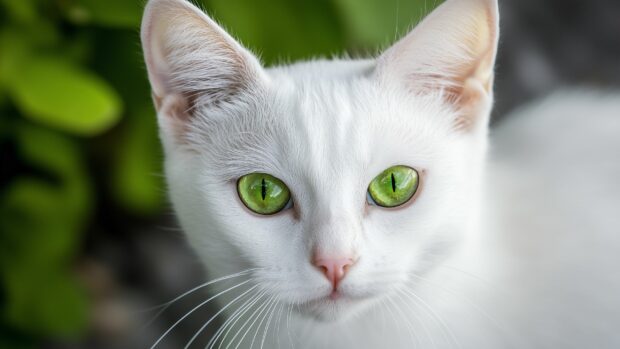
(334, 69)
(344, 100)
(330, 117)
(327, 91)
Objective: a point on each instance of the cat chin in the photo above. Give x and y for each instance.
(330, 311)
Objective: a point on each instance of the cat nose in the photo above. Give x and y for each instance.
(334, 269)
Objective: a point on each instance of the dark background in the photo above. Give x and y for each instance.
(87, 241)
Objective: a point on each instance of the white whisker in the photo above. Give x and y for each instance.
(436, 316)
(252, 315)
(418, 319)
(231, 321)
(194, 309)
(279, 322)
(390, 311)
(208, 283)
(288, 325)
(508, 335)
(215, 315)
(245, 310)
(262, 317)
(492, 286)
(414, 337)
(275, 306)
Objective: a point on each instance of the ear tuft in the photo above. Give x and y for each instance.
(452, 51)
(191, 59)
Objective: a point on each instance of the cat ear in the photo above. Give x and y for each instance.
(452, 51)
(191, 61)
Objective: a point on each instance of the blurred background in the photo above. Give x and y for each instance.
(88, 242)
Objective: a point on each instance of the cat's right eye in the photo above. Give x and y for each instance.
(263, 193)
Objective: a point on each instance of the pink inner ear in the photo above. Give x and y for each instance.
(453, 51)
(190, 57)
(174, 115)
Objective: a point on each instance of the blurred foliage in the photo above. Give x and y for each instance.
(77, 130)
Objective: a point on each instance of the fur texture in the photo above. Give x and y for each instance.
(427, 272)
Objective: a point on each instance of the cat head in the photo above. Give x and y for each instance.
(314, 137)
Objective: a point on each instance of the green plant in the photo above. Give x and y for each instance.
(60, 102)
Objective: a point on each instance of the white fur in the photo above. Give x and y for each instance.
(327, 128)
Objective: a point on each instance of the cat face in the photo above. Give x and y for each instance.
(325, 129)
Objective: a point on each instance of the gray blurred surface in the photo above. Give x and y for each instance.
(550, 44)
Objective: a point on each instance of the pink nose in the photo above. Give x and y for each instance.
(334, 269)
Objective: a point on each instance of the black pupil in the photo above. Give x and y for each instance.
(263, 189)
(393, 183)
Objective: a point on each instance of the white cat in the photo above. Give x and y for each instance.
(347, 197)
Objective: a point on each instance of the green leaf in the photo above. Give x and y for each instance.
(66, 97)
(45, 300)
(115, 56)
(375, 23)
(14, 49)
(52, 212)
(41, 221)
(32, 211)
(137, 176)
(21, 10)
(282, 28)
(112, 13)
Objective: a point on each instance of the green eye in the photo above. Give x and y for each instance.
(393, 187)
(263, 193)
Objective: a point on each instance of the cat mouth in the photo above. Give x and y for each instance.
(332, 306)
(333, 298)
(340, 296)
(335, 295)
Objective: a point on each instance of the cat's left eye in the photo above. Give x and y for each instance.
(393, 187)
(263, 193)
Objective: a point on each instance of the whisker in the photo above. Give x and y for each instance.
(246, 322)
(279, 322)
(492, 286)
(216, 314)
(414, 337)
(505, 333)
(247, 308)
(171, 302)
(435, 315)
(262, 317)
(254, 316)
(436, 319)
(275, 306)
(383, 319)
(418, 319)
(390, 311)
(194, 309)
(288, 325)
(230, 322)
